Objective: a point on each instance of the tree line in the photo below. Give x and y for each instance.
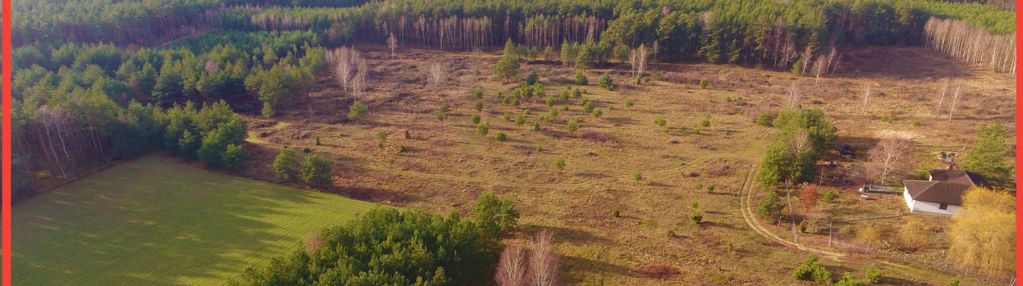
(77, 107)
(392, 247)
(773, 34)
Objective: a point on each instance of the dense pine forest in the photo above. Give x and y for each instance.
(97, 81)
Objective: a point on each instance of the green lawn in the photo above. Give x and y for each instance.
(156, 221)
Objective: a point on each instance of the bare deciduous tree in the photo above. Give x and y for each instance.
(392, 43)
(543, 260)
(511, 268)
(941, 98)
(955, 99)
(436, 73)
(361, 73)
(891, 155)
(866, 96)
(637, 58)
(792, 95)
(343, 64)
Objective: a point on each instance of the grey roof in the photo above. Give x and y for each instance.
(946, 187)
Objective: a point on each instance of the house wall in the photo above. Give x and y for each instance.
(927, 207)
(909, 200)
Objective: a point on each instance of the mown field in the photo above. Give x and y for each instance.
(158, 221)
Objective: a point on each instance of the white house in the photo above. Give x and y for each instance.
(941, 193)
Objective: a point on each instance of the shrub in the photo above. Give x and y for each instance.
(704, 83)
(588, 106)
(597, 113)
(382, 139)
(812, 270)
(629, 103)
(478, 93)
(660, 121)
(475, 118)
(580, 78)
(501, 137)
(699, 187)
(696, 217)
(638, 176)
(560, 163)
(520, 120)
(357, 110)
(316, 171)
(770, 206)
(765, 119)
(954, 281)
(442, 113)
(606, 82)
(268, 110)
(616, 213)
(830, 196)
(706, 122)
(234, 156)
(577, 93)
(494, 215)
(572, 127)
(479, 105)
(286, 165)
(873, 274)
(483, 128)
(536, 126)
(532, 78)
(307, 150)
(848, 280)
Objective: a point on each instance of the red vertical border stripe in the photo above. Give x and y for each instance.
(6, 111)
(1019, 160)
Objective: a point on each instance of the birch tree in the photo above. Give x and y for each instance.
(890, 156)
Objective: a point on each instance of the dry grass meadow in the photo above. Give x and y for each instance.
(446, 164)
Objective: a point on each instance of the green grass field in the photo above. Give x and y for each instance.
(157, 221)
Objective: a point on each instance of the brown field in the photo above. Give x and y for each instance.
(445, 164)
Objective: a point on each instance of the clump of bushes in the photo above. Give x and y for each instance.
(470, 259)
(580, 78)
(483, 128)
(286, 165)
(316, 171)
(606, 82)
(501, 137)
(830, 196)
(572, 127)
(696, 217)
(812, 270)
(766, 119)
(357, 110)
